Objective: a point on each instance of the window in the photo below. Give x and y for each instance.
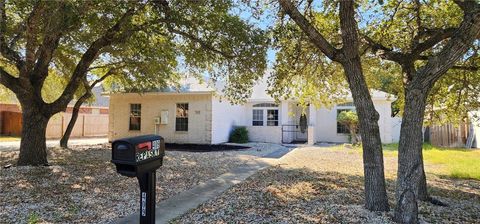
(342, 129)
(257, 118)
(135, 117)
(265, 114)
(272, 117)
(181, 118)
(265, 105)
(347, 104)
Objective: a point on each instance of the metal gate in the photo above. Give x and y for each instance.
(290, 134)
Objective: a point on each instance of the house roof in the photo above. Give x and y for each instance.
(192, 85)
(260, 93)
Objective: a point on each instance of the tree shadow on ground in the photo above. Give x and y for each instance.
(82, 186)
(286, 195)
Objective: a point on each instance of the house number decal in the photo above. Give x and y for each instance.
(147, 150)
(144, 204)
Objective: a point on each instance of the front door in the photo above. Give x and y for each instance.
(301, 124)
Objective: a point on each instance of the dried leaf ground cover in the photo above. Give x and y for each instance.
(82, 185)
(320, 185)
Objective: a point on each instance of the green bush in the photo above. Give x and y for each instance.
(239, 135)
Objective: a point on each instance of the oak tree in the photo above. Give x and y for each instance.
(145, 42)
(437, 36)
(345, 51)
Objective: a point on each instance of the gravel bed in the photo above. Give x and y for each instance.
(82, 185)
(318, 185)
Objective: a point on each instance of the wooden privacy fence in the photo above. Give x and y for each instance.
(11, 123)
(87, 125)
(449, 135)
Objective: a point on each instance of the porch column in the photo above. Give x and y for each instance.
(284, 119)
(312, 118)
(284, 112)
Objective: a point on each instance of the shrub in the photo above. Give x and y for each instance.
(350, 119)
(239, 135)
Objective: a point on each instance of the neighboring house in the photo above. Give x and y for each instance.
(92, 119)
(200, 115)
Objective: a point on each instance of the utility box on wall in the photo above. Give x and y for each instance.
(164, 117)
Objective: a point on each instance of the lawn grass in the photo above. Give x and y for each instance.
(9, 138)
(453, 162)
(457, 162)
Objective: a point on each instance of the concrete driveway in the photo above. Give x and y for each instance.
(15, 145)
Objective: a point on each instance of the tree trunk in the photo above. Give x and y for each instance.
(375, 191)
(353, 134)
(422, 193)
(33, 147)
(73, 120)
(411, 179)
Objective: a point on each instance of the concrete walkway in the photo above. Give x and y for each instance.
(183, 202)
(15, 145)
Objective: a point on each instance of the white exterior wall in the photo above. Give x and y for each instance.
(396, 127)
(384, 109)
(224, 117)
(211, 119)
(474, 117)
(326, 123)
(271, 134)
(326, 126)
(199, 116)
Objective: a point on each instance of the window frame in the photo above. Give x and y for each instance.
(258, 121)
(137, 115)
(275, 121)
(265, 108)
(181, 122)
(348, 106)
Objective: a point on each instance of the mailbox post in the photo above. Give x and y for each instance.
(140, 157)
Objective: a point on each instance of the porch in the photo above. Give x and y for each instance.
(285, 123)
(298, 123)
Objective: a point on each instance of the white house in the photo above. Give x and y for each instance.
(200, 115)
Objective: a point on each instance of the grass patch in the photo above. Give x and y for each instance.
(457, 162)
(9, 138)
(33, 218)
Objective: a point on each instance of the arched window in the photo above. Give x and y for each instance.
(265, 105)
(347, 104)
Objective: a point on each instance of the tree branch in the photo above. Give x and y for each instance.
(5, 50)
(383, 51)
(109, 73)
(164, 6)
(45, 52)
(466, 5)
(312, 33)
(466, 68)
(202, 43)
(349, 29)
(31, 29)
(436, 37)
(9, 81)
(455, 48)
(111, 35)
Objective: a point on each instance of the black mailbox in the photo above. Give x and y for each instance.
(137, 155)
(140, 157)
